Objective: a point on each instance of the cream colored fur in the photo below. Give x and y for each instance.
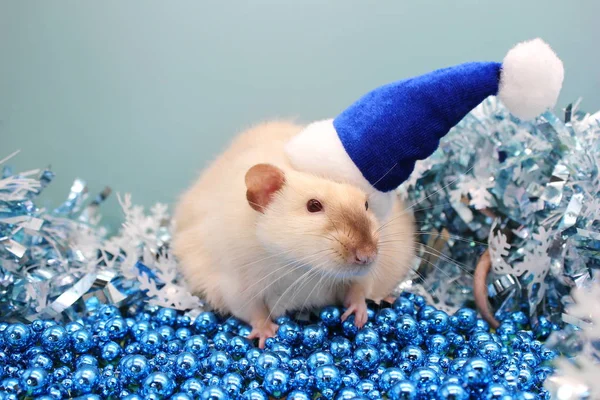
(244, 262)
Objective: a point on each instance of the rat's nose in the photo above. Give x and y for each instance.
(364, 256)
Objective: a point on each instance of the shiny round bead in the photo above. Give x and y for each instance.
(180, 396)
(214, 392)
(110, 351)
(183, 334)
(413, 354)
(403, 305)
(439, 322)
(197, 344)
(37, 326)
(159, 383)
(17, 336)
(174, 346)
(34, 379)
(166, 332)
(507, 328)
(41, 360)
(206, 322)
(107, 311)
(221, 340)
(466, 319)
(390, 377)
(318, 359)
(456, 365)
(81, 340)
(258, 394)
(365, 386)
(289, 332)
(166, 316)
(186, 365)
(10, 386)
(85, 379)
(519, 318)
(340, 347)
(424, 376)
(87, 360)
(403, 390)
(452, 391)
(526, 379)
(276, 382)
(116, 328)
(479, 337)
(366, 358)
(406, 328)
(345, 394)
(482, 325)
(139, 328)
(301, 380)
(151, 342)
(437, 344)
(490, 351)
(328, 377)
(192, 387)
(313, 336)
(426, 311)
(233, 382)
(477, 372)
(219, 363)
(495, 391)
(133, 348)
(463, 352)
(350, 379)
(135, 367)
(386, 353)
(455, 340)
(367, 336)
(238, 346)
(60, 373)
(349, 327)
(330, 316)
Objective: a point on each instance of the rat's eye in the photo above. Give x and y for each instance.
(366, 205)
(314, 206)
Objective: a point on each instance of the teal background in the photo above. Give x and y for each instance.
(140, 95)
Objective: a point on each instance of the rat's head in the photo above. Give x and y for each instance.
(312, 221)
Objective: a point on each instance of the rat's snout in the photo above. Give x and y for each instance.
(364, 255)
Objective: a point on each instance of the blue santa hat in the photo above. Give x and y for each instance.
(375, 142)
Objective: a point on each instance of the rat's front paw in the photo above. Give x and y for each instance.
(262, 331)
(359, 309)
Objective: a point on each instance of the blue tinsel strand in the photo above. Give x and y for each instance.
(404, 351)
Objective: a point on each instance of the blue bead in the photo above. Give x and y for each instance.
(134, 367)
(439, 322)
(328, 377)
(300, 381)
(81, 340)
(495, 391)
(10, 386)
(507, 328)
(87, 360)
(390, 377)
(526, 379)
(367, 336)
(150, 342)
(403, 305)
(159, 383)
(365, 386)
(386, 353)
(482, 325)
(174, 346)
(413, 354)
(116, 328)
(41, 360)
(276, 382)
(424, 376)
(257, 394)
(183, 334)
(477, 372)
(330, 316)
(345, 394)
(403, 390)
(110, 351)
(317, 359)
(452, 391)
(233, 383)
(366, 358)
(437, 344)
(61, 373)
(425, 312)
(313, 336)
(166, 332)
(457, 365)
(340, 347)
(406, 328)
(349, 327)
(180, 396)
(350, 379)
(17, 336)
(490, 351)
(197, 344)
(466, 319)
(192, 387)
(206, 322)
(219, 363)
(85, 379)
(186, 365)
(140, 328)
(238, 346)
(289, 332)
(34, 379)
(166, 316)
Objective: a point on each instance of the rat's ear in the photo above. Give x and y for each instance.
(262, 181)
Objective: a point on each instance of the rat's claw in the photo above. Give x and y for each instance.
(263, 332)
(359, 310)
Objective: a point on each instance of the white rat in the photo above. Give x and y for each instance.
(257, 238)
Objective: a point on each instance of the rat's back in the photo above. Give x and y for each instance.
(214, 225)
